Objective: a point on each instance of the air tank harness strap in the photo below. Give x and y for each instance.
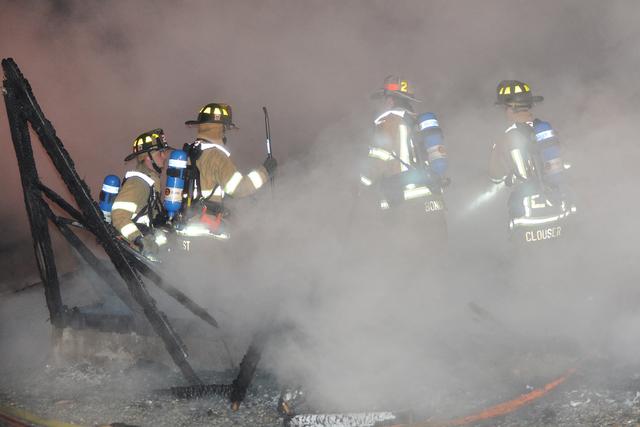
(194, 151)
(192, 178)
(152, 201)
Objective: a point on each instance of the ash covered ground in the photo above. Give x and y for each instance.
(488, 362)
(599, 393)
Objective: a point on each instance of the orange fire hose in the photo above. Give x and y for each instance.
(499, 409)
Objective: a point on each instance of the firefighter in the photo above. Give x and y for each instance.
(213, 175)
(407, 162)
(528, 159)
(510, 159)
(138, 203)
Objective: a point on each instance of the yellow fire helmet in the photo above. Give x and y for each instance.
(514, 92)
(147, 142)
(214, 113)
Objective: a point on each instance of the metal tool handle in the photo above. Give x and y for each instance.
(267, 128)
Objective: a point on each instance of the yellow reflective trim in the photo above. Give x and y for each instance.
(217, 193)
(521, 168)
(414, 193)
(256, 179)
(207, 110)
(366, 181)
(216, 111)
(379, 153)
(526, 88)
(148, 139)
(233, 183)
(225, 112)
(507, 90)
(146, 178)
(404, 147)
(125, 206)
(128, 230)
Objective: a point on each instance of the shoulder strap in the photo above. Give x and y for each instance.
(151, 200)
(194, 151)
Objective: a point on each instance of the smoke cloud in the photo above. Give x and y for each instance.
(361, 322)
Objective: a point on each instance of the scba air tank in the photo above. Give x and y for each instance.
(550, 154)
(175, 182)
(433, 142)
(110, 189)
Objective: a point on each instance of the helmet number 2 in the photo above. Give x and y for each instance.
(404, 86)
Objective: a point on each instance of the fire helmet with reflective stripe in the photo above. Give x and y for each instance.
(395, 86)
(214, 113)
(514, 92)
(147, 142)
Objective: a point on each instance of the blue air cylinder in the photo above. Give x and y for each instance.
(433, 142)
(550, 154)
(176, 170)
(110, 189)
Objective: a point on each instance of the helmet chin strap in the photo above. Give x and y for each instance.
(154, 164)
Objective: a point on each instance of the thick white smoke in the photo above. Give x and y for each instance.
(362, 322)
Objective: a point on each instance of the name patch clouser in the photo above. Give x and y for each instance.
(544, 234)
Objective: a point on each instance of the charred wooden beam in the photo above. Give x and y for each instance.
(140, 264)
(199, 391)
(23, 107)
(247, 371)
(97, 265)
(33, 202)
(58, 200)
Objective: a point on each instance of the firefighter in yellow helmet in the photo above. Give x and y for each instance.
(510, 156)
(528, 158)
(138, 203)
(213, 174)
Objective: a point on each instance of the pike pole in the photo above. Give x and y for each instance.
(267, 128)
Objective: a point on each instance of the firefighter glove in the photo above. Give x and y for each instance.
(147, 244)
(270, 164)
